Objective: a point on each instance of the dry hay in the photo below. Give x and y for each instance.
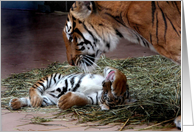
(154, 81)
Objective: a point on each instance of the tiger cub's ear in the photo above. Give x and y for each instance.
(82, 9)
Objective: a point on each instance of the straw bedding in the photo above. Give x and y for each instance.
(154, 81)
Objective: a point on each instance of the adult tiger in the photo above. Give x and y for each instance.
(77, 89)
(93, 28)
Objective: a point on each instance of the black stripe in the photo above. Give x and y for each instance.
(64, 90)
(42, 80)
(45, 101)
(55, 77)
(52, 102)
(42, 85)
(72, 81)
(119, 100)
(85, 40)
(127, 93)
(145, 42)
(78, 84)
(150, 37)
(117, 18)
(46, 81)
(50, 80)
(73, 17)
(91, 99)
(108, 45)
(40, 90)
(91, 59)
(66, 83)
(94, 38)
(118, 33)
(34, 86)
(173, 26)
(136, 28)
(52, 95)
(81, 49)
(177, 7)
(67, 18)
(164, 22)
(153, 11)
(59, 77)
(96, 97)
(80, 44)
(88, 61)
(137, 37)
(157, 27)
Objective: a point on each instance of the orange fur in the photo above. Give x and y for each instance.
(70, 99)
(158, 22)
(16, 104)
(35, 98)
(120, 82)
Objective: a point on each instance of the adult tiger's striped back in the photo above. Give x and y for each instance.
(96, 27)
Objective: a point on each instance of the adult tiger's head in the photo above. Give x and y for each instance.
(87, 35)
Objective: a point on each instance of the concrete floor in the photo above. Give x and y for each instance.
(34, 40)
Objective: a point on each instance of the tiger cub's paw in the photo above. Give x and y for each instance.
(70, 99)
(104, 107)
(15, 104)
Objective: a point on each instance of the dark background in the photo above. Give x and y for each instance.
(43, 6)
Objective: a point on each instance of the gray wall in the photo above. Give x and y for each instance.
(23, 5)
(42, 6)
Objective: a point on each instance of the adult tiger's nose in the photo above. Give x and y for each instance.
(72, 63)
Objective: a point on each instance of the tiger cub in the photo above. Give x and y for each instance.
(66, 91)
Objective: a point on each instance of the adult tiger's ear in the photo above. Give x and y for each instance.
(82, 9)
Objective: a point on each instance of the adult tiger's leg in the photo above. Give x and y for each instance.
(73, 98)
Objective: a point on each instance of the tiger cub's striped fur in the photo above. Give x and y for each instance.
(77, 89)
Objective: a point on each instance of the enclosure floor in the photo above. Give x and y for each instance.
(34, 40)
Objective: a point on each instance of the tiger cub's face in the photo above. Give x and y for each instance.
(115, 81)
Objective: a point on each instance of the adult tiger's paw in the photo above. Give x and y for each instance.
(15, 104)
(70, 99)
